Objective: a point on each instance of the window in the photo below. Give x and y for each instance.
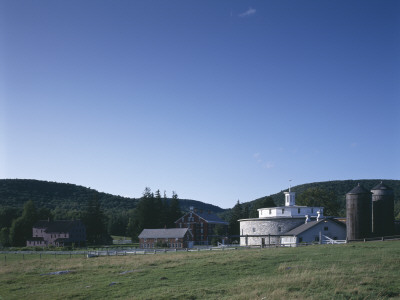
(312, 210)
(180, 225)
(316, 239)
(254, 230)
(201, 224)
(279, 228)
(270, 211)
(298, 210)
(300, 239)
(283, 211)
(326, 228)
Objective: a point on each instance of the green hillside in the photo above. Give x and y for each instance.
(64, 196)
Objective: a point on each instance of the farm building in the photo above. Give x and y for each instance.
(57, 233)
(168, 238)
(203, 226)
(316, 231)
(274, 222)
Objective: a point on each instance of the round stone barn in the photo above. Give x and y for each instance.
(272, 222)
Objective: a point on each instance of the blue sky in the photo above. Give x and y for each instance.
(216, 100)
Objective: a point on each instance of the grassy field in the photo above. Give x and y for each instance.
(352, 271)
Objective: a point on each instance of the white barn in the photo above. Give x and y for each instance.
(273, 222)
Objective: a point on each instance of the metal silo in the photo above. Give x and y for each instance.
(358, 213)
(382, 210)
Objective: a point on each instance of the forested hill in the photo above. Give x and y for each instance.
(66, 197)
(339, 188)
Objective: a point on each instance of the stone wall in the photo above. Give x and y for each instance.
(265, 227)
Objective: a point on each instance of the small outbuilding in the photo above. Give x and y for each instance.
(168, 238)
(320, 231)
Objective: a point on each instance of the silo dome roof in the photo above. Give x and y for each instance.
(359, 190)
(381, 186)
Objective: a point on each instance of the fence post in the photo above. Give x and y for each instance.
(5, 258)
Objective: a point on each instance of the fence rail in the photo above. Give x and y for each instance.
(138, 251)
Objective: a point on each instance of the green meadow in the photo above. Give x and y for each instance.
(351, 271)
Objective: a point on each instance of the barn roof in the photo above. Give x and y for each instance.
(57, 226)
(163, 233)
(207, 216)
(211, 218)
(308, 225)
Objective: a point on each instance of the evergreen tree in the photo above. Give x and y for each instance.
(236, 214)
(95, 222)
(21, 228)
(174, 210)
(4, 237)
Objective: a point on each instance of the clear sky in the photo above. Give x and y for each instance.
(216, 100)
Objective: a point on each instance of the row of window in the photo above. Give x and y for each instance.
(326, 228)
(283, 211)
(171, 245)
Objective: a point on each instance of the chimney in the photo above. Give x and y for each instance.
(307, 219)
(318, 215)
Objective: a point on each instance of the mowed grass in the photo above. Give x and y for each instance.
(352, 271)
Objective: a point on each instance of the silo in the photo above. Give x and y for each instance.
(358, 213)
(382, 210)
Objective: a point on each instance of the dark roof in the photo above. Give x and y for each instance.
(163, 233)
(208, 217)
(381, 186)
(35, 238)
(308, 225)
(358, 190)
(57, 226)
(211, 218)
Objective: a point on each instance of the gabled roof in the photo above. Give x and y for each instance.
(208, 217)
(57, 226)
(308, 225)
(163, 233)
(211, 218)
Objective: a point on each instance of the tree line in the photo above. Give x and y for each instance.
(152, 211)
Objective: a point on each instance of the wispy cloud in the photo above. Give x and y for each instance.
(269, 165)
(353, 145)
(261, 162)
(251, 11)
